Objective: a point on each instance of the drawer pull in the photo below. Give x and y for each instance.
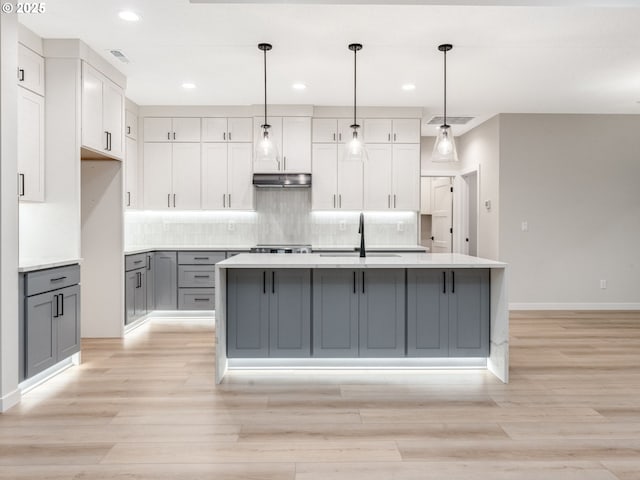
(201, 258)
(201, 299)
(57, 279)
(202, 276)
(138, 261)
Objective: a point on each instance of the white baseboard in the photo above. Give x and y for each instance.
(9, 400)
(575, 306)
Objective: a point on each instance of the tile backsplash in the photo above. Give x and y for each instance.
(282, 216)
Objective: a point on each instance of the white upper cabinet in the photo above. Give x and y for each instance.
(327, 130)
(102, 113)
(162, 129)
(131, 124)
(131, 173)
(222, 129)
(336, 184)
(171, 176)
(30, 70)
(392, 177)
(296, 144)
(226, 176)
(382, 130)
(275, 133)
(30, 146)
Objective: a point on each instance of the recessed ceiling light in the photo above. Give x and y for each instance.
(407, 87)
(129, 16)
(299, 86)
(188, 85)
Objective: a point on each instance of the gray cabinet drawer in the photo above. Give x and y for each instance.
(131, 262)
(51, 279)
(199, 258)
(191, 276)
(196, 298)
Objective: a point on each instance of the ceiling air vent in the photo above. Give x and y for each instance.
(120, 56)
(439, 120)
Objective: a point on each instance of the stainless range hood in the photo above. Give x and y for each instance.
(282, 180)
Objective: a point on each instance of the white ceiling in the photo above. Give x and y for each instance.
(505, 59)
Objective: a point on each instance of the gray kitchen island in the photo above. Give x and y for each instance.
(385, 311)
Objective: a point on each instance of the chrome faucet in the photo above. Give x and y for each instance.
(363, 252)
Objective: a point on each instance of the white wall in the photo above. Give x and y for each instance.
(9, 336)
(479, 149)
(102, 248)
(575, 180)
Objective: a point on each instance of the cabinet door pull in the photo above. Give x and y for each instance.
(229, 135)
(57, 279)
(340, 200)
(224, 200)
(354, 282)
(394, 137)
(389, 137)
(168, 135)
(264, 282)
(444, 282)
(61, 299)
(106, 140)
(394, 200)
(21, 184)
(229, 200)
(453, 282)
(363, 281)
(174, 135)
(273, 281)
(21, 74)
(57, 308)
(334, 137)
(334, 200)
(284, 163)
(128, 130)
(168, 200)
(174, 200)
(340, 137)
(389, 201)
(128, 199)
(110, 142)
(224, 136)
(148, 262)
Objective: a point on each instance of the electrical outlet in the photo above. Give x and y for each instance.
(603, 284)
(231, 226)
(400, 226)
(487, 204)
(342, 225)
(524, 226)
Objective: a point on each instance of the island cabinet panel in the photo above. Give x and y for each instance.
(290, 313)
(469, 301)
(427, 313)
(247, 313)
(448, 312)
(335, 313)
(166, 280)
(382, 313)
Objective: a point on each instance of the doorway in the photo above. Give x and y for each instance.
(436, 214)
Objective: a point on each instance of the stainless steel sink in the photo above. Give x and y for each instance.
(357, 254)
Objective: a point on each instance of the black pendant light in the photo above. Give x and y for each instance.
(444, 149)
(355, 150)
(266, 150)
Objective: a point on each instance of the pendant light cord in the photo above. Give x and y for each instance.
(265, 85)
(355, 77)
(445, 87)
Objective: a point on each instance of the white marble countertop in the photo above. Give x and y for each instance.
(32, 264)
(185, 248)
(337, 260)
(370, 248)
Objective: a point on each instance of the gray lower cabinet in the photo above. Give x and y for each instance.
(166, 280)
(196, 299)
(448, 312)
(358, 313)
(381, 317)
(269, 313)
(51, 329)
(135, 295)
(151, 284)
(196, 279)
(335, 313)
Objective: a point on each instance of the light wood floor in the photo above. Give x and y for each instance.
(147, 408)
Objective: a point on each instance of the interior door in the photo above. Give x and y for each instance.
(442, 213)
(214, 176)
(377, 177)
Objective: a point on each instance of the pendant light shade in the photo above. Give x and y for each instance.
(354, 149)
(266, 149)
(444, 149)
